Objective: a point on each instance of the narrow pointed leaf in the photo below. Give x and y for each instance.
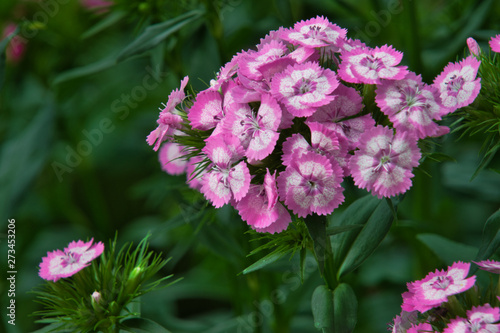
(340, 229)
(109, 20)
(266, 260)
(345, 308)
(322, 309)
(155, 34)
(89, 69)
(357, 213)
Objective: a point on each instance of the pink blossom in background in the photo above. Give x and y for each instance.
(495, 43)
(457, 83)
(489, 266)
(17, 45)
(411, 105)
(195, 172)
(384, 162)
(435, 288)
(480, 319)
(302, 88)
(311, 184)
(366, 65)
(169, 119)
(61, 264)
(260, 207)
(100, 5)
(171, 158)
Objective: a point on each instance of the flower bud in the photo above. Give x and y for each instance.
(473, 46)
(96, 297)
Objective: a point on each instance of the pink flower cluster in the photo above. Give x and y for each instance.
(433, 292)
(285, 123)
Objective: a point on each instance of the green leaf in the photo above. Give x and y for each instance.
(348, 246)
(92, 68)
(155, 34)
(322, 308)
(491, 237)
(345, 307)
(105, 23)
(357, 213)
(23, 158)
(340, 229)
(142, 325)
(266, 260)
(447, 250)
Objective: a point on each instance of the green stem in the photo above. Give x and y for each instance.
(323, 253)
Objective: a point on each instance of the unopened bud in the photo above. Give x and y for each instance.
(473, 46)
(96, 297)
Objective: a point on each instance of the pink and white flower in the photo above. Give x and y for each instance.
(206, 111)
(169, 118)
(256, 129)
(411, 105)
(347, 103)
(171, 156)
(61, 264)
(261, 209)
(491, 266)
(384, 162)
(435, 288)
(495, 43)
(324, 141)
(304, 87)
(311, 184)
(457, 83)
(480, 319)
(370, 66)
(315, 32)
(228, 177)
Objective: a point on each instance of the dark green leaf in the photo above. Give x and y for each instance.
(92, 68)
(142, 325)
(155, 34)
(491, 237)
(345, 308)
(322, 308)
(447, 250)
(356, 213)
(23, 157)
(105, 23)
(266, 260)
(370, 236)
(340, 229)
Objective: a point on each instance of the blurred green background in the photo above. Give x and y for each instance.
(78, 102)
